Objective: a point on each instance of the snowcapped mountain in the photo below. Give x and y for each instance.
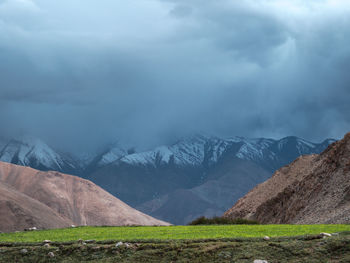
(190, 151)
(206, 151)
(194, 151)
(205, 174)
(211, 171)
(33, 152)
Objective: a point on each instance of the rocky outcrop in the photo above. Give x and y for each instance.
(313, 189)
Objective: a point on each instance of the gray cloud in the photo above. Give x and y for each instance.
(148, 71)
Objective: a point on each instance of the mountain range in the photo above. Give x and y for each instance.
(197, 175)
(314, 189)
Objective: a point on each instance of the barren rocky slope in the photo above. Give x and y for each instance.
(18, 211)
(74, 199)
(313, 189)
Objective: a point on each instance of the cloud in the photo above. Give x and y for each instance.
(148, 71)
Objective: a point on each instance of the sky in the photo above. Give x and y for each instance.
(81, 73)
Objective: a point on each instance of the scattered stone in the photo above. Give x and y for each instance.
(80, 241)
(30, 229)
(325, 235)
(84, 244)
(119, 244)
(24, 251)
(47, 241)
(266, 238)
(72, 226)
(260, 261)
(46, 245)
(51, 254)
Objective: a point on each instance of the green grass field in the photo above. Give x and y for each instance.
(170, 233)
(182, 244)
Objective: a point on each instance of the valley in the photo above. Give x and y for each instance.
(207, 173)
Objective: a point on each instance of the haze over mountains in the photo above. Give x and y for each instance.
(202, 175)
(314, 189)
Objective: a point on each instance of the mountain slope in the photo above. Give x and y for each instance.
(209, 199)
(313, 189)
(72, 198)
(18, 211)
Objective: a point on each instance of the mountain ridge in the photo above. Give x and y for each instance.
(193, 150)
(204, 167)
(312, 190)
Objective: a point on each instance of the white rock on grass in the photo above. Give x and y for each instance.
(51, 254)
(266, 238)
(47, 241)
(119, 244)
(260, 261)
(325, 234)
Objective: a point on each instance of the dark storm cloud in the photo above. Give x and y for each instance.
(148, 71)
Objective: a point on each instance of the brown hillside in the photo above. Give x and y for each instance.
(313, 189)
(18, 211)
(74, 199)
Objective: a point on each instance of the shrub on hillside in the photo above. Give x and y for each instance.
(222, 221)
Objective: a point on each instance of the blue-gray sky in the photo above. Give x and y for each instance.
(84, 72)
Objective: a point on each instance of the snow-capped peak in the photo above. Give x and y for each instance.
(31, 151)
(188, 151)
(113, 153)
(207, 150)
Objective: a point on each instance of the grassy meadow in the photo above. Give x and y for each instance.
(224, 244)
(169, 233)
